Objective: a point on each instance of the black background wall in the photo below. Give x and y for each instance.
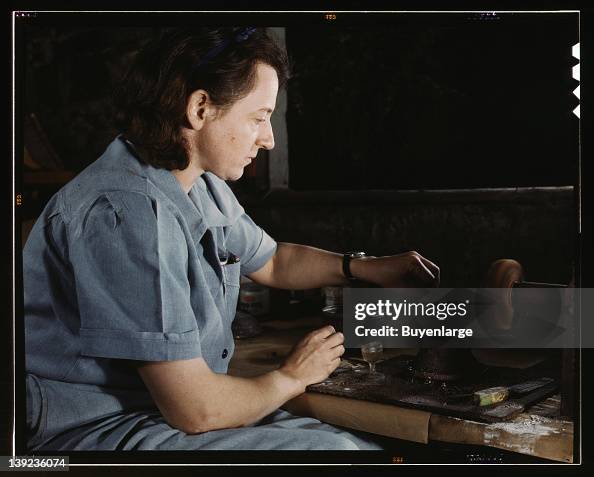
(434, 101)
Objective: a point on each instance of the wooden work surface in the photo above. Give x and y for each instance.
(537, 432)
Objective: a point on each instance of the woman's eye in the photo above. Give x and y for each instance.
(258, 120)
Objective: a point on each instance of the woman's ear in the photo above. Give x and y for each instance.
(198, 109)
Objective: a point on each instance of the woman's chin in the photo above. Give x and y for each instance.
(229, 175)
(235, 176)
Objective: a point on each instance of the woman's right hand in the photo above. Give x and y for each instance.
(315, 356)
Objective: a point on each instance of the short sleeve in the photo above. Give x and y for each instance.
(251, 243)
(130, 262)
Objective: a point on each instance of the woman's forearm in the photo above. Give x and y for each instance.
(300, 267)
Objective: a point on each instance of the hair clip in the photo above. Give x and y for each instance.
(245, 33)
(241, 36)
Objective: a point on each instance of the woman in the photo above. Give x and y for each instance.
(131, 274)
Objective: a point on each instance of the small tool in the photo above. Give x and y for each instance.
(486, 397)
(497, 394)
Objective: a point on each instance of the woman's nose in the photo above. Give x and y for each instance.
(266, 138)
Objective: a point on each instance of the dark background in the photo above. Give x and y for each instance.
(420, 102)
(69, 74)
(452, 101)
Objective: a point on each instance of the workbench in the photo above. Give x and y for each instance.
(538, 432)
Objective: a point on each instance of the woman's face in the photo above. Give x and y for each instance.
(230, 141)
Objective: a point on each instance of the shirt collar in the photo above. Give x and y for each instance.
(197, 218)
(204, 195)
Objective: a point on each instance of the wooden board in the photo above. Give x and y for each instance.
(382, 419)
(402, 390)
(546, 435)
(538, 432)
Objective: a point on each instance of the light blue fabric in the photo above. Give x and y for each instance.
(123, 265)
(145, 429)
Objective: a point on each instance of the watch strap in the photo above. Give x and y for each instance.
(346, 263)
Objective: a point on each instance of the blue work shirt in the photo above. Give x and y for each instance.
(124, 265)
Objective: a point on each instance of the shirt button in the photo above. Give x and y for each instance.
(225, 353)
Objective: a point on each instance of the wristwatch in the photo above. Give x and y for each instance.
(346, 263)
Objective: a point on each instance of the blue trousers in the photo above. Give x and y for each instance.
(66, 416)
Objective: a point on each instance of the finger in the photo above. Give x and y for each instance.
(431, 266)
(324, 332)
(337, 351)
(423, 273)
(335, 363)
(334, 340)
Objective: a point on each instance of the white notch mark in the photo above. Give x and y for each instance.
(577, 92)
(575, 51)
(576, 111)
(575, 72)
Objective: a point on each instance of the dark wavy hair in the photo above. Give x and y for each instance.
(150, 101)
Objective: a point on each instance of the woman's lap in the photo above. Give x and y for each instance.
(278, 431)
